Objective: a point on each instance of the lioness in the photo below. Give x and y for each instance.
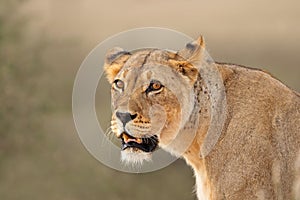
(254, 154)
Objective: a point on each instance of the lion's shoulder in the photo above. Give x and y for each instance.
(242, 77)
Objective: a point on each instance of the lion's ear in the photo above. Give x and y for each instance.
(191, 57)
(114, 61)
(194, 51)
(185, 68)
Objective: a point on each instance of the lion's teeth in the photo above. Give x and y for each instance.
(127, 139)
(139, 141)
(130, 140)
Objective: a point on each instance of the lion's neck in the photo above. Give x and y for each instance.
(193, 153)
(197, 121)
(188, 141)
(193, 158)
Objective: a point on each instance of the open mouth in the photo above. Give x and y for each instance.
(146, 144)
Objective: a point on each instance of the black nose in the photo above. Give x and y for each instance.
(125, 117)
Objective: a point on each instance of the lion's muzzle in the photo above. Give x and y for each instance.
(146, 144)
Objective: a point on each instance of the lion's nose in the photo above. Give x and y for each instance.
(125, 117)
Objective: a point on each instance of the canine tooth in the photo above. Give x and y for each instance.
(125, 137)
(139, 140)
(131, 140)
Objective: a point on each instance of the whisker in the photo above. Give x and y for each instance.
(108, 130)
(153, 139)
(108, 136)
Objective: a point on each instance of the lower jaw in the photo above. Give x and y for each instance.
(135, 156)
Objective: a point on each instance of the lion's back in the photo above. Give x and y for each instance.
(262, 135)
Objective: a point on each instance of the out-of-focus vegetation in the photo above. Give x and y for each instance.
(41, 156)
(20, 68)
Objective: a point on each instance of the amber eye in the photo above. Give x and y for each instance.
(154, 86)
(119, 84)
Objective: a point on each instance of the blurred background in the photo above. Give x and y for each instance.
(42, 44)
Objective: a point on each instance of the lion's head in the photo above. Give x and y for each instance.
(152, 96)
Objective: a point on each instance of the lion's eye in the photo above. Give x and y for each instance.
(154, 86)
(119, 84)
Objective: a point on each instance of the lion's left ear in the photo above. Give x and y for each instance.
(194, 51)
(114, 61)
(191, 56)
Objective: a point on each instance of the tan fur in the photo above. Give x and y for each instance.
(113, 64)
(255, 154)
(297, 180)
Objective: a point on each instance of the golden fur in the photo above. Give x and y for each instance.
(254, 158)
(297, 180)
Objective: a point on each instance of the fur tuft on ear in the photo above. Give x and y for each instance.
(185, 68)
(114, 61)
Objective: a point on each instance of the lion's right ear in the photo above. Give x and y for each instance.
(114, 61)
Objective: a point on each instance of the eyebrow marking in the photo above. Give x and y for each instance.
(146, 58)
(142, 65)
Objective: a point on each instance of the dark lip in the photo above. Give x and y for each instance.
(149, 144)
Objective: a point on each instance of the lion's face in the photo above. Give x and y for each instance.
(152, 98)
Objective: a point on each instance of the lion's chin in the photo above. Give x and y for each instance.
(134, 156)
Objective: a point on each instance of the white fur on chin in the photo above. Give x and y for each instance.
(135, 157)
